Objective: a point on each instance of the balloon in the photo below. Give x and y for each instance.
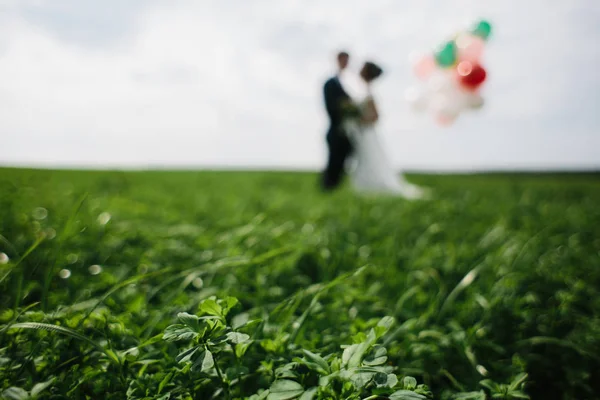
(446, 55)
(483, 29)
(471, 75)
(451, 76)
(424, 67)
(416, 98)
(464, 68)
(444, 120)
(470, 47)
(447, 105)
(470, 100)
(441, 83)
(475, 101)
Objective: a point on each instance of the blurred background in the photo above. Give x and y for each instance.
(233, 83)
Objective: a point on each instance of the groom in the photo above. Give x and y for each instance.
(336, 99)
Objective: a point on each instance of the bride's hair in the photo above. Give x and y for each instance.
(372, 71)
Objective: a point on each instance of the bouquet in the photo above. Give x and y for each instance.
(350, 110)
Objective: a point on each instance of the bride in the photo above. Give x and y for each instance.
(373, 172)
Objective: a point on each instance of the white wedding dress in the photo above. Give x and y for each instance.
(371, 171)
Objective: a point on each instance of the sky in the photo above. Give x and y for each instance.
(238, 83)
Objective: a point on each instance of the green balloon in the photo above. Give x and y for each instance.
(483, 29)
(446, 55)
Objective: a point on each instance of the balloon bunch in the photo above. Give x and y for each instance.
(453, 76)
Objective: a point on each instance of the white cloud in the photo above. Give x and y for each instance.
(238, 82)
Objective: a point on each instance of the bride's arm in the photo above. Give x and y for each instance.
(370, 113)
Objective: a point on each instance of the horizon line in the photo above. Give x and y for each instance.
(283, 168)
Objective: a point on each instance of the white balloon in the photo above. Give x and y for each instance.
(463, 99)
(475, 101)
(417, 98)
(441, 82)
(447, 104)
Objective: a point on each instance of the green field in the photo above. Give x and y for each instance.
(201, 285)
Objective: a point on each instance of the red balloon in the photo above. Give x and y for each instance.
(471, 76)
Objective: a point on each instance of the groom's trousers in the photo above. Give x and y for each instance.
(339, 150)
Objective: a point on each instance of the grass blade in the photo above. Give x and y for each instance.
(63, 331)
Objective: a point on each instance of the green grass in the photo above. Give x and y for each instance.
(496, 276)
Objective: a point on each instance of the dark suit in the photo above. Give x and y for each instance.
(338, 143)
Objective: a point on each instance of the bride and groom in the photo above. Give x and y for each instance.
(352, 137)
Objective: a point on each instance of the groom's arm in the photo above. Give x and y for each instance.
(336, 100)
(329, 92)
(345, 104)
